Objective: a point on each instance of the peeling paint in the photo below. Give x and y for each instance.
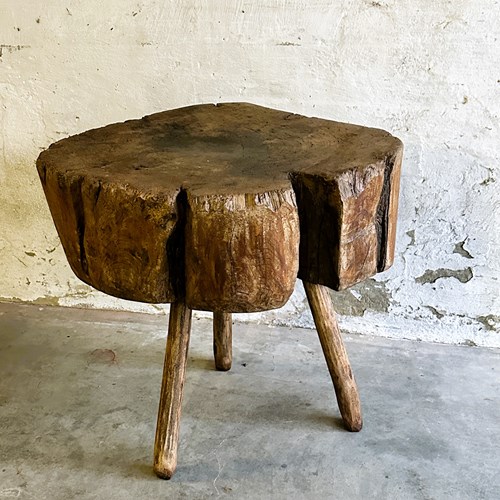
(323, 67)
(46, 300)
(370, 295)
(459, 248)
(411, 234)
(432, 275)
(436, 313)
(469, 343)
(490, 179)
(491, 322)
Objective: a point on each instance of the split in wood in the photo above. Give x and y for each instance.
(221, 208)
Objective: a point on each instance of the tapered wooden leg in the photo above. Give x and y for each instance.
(174, 371)
(336, 355)
(223, 338)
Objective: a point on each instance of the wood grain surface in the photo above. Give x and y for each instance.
(223, 340)
(223, 206)
(335, 354)
(172, 387)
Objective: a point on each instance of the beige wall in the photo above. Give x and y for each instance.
(426, 71)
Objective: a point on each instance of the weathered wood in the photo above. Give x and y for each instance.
(174, 370)
(209, 203)
(221, 208)
(241, 251)
(335, 355)
(223, 338)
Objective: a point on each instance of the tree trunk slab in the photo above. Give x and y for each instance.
(223, 206)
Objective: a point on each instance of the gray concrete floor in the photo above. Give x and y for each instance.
(79, 393)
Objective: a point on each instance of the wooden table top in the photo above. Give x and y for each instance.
(211, 203)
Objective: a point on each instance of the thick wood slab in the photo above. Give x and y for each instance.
(209, 203)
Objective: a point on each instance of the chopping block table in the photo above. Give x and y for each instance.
(220, 208)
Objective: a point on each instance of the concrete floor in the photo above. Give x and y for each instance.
(79, 393)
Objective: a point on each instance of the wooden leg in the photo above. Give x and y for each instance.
(223, 349)
(335, 354)
(174, 371)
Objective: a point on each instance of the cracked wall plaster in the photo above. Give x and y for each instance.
(427, 72)
(369, 295)
(432, 275)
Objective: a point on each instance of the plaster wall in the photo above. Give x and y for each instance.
(427, 72)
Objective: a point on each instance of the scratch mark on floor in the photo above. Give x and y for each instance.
(221, 467)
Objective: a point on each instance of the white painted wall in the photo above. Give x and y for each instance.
(429, 72)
